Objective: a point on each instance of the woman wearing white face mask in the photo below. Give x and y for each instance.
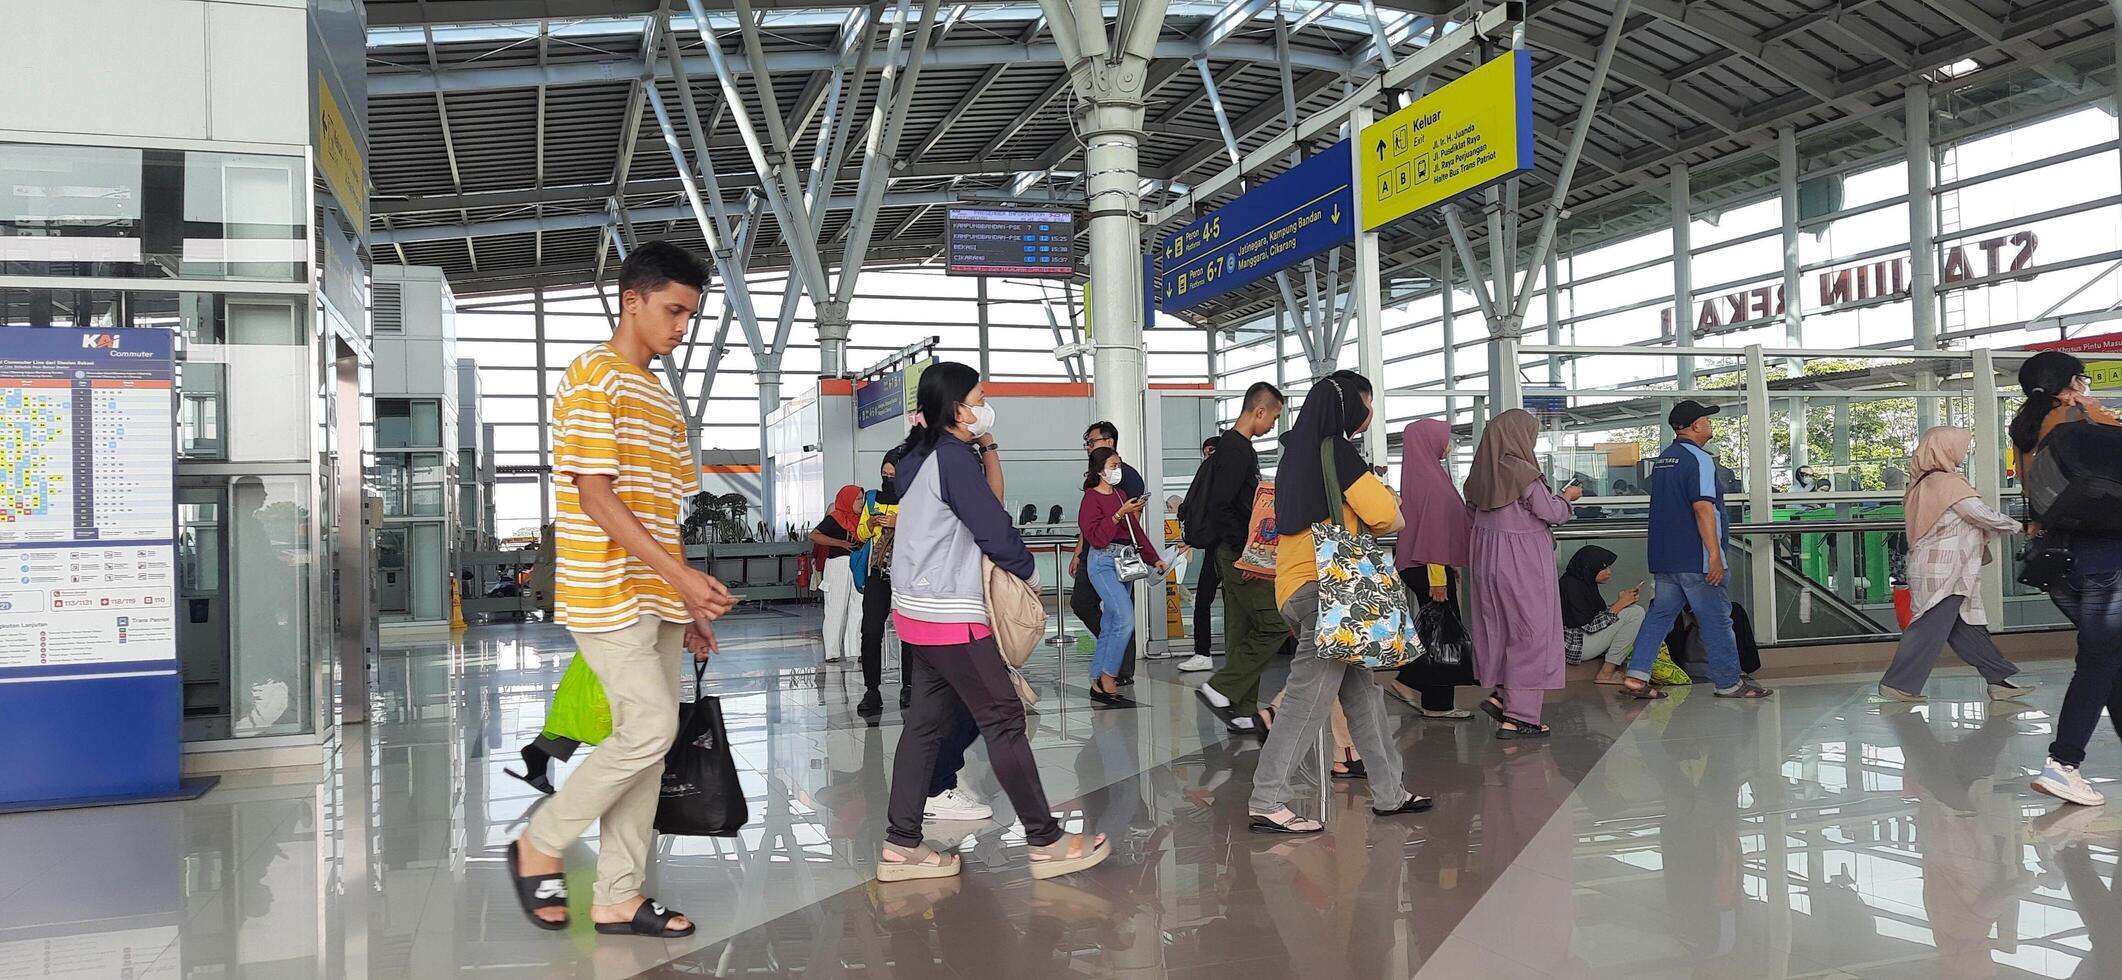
(1109, 523)
(950, 515)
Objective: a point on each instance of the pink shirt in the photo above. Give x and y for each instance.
(923, 633)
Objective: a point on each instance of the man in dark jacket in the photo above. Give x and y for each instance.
(1253, 628)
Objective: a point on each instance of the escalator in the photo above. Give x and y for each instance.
(1806, 611)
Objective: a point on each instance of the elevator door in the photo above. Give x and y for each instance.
(203, 610)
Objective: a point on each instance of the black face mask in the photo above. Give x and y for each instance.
(887, 491)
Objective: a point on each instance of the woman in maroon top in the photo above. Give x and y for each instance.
(1109, 523)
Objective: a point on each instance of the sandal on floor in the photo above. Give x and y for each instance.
(1642, 690)
(915, 863)
(1264, 824)
(1414, 804)
(1525, 729)
(1268, 714)
(1448, 714)
(542, 784)
(1053, 860)
(650, 919)
(1493, 707)
(535, 892)
(1353, 767)
(1748, 691)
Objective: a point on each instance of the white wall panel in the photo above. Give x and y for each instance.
(111, 67)
(257, 74)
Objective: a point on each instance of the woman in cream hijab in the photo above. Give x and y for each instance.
(1949, 532)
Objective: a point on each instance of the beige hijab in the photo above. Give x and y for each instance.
(1937, 484)
(1503, 464)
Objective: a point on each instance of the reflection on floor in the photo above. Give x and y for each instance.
(1818, 835)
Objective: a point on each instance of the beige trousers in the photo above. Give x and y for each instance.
(621, 781)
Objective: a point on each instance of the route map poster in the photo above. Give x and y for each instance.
(87, 488)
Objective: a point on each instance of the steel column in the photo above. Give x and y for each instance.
(1986, 464)
(1363, 303)
(1760, 470)
(1451, 337)
(1683, 275)
(1793, 292)
(1922, 247)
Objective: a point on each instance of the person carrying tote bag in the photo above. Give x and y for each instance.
(1337, 409)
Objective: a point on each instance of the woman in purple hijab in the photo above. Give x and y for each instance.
(1431, 552)
(1517, 625)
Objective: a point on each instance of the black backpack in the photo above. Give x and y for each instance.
(1196, 527)
(2075, 480)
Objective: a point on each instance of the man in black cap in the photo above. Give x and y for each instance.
(1687, 558)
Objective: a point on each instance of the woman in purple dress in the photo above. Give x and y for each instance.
(1517, 625)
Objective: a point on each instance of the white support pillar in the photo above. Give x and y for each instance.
(1793, 292)
(1554, 318)
(1986, 465)
(1364, 303)
(1109, 82)
(768, 372)
(1922, 248)
(1451, 338)
(1683, 274)
(1761, 567)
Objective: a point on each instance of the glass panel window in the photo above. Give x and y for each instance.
(152, 214)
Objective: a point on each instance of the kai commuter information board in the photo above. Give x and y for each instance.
(1473, 131)
(88, 565)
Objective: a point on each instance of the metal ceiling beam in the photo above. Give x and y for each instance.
(1680, 94)
(678, 212)
(456, 80)
(441, 13)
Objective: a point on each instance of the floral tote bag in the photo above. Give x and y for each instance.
(1364, 620)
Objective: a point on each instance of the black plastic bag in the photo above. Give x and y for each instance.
(1444, 639)
(701, 794)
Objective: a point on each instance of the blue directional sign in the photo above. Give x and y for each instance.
(1305, 210)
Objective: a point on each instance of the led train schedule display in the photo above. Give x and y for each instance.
(996, 242)
(87, 467)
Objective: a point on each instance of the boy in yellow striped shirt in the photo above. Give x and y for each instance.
(622, 469)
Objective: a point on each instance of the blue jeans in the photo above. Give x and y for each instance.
(1119, 624)
(1712, 606)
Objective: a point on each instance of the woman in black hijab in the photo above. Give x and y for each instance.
(1337, 409)
(1591, 627)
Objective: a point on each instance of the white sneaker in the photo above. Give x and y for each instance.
(2064, 783)
(957, 803)
(1196, 663)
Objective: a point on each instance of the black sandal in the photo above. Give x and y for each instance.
(1352, 768)
(535, 892)
(1263, 824)
(650, 919)
(1525, 729)
(1648, 692)
(1493, 707)
(1414, 804)
(1267, 716)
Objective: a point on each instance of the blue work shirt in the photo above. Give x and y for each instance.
(1682, 476)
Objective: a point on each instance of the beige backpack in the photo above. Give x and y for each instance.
(1017, 615)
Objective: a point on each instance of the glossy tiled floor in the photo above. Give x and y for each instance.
(1818, 835)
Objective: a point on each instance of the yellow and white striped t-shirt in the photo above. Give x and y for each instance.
(613, 419)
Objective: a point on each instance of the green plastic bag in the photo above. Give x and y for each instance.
(1663, 672)
(580, 710)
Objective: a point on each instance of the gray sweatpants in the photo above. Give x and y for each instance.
(1926, 638)
(1314, 685)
